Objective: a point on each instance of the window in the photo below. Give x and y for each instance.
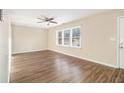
(76, 37)
(59, 38)
(69, 37)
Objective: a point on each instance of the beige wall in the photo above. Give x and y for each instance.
(99, 38)
(27, 39)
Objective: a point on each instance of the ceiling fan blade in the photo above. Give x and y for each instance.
(53, 22)
(51, 19)
(40, 18)
(39, 22)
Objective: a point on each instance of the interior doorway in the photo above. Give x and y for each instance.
(121, 41)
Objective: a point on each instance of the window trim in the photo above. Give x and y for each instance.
(71, 46)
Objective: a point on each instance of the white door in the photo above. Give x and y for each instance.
(121, 29)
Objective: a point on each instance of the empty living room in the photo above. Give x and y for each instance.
(62, 45)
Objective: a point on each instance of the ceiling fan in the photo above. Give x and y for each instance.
(47, 20)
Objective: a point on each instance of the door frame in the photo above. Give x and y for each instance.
(118, 41)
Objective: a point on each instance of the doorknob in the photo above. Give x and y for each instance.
(121, 45)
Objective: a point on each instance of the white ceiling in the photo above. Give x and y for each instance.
(28, 17)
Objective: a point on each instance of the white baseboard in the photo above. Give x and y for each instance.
(28, 51)
(91, 60)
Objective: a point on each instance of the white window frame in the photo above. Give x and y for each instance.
(62, 45)
(57, 38)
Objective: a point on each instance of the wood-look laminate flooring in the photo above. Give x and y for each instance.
(51, 67)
